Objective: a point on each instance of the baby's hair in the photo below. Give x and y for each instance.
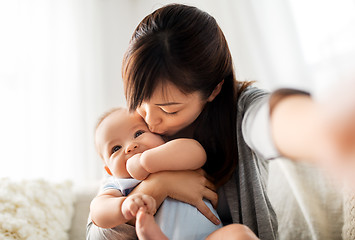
(106, 114)
(102, 118)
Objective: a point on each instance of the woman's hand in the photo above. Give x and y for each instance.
(336, 101)
(185, 186)
(337, 154)
(191, 187)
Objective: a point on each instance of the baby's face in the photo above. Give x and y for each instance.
(122, 135)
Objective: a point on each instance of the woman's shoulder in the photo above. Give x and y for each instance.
(250, 95)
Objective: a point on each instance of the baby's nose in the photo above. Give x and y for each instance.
(131, 147)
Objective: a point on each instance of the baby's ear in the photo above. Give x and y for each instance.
(108, 170)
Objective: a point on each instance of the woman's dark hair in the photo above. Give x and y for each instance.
(185, 46)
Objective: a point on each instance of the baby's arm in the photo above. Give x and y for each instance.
(177, 154)
(110, 209)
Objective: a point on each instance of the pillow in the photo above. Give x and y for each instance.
(35, 209)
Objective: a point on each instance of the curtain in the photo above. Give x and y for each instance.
(328, 45)
(52, 88)
(60, 67)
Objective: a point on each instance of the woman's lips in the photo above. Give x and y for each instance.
(155, 130)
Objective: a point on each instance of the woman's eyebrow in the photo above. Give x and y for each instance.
(167, 104)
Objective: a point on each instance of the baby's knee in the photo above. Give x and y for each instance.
(240, 231)
(123, 231)
(233, 231)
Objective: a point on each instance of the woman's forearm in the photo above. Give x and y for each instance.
(153, 187)
(311, 131)
(186, 186)
(296, 127)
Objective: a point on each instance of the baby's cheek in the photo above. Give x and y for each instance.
(155, 141)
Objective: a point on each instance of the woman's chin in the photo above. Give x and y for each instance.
(163, 132)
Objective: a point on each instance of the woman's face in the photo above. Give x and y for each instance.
(169, 110)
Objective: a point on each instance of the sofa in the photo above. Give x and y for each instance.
(309, 205)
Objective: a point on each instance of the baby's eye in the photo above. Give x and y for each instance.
(138, 133)
(115, 149)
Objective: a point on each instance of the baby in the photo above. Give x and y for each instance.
(131, 152)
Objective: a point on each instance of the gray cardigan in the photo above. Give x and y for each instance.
(246, 191)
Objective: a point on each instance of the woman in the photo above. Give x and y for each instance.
(178, 75)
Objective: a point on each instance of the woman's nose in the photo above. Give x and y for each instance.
(150, 117)
(131, 147)
(152, 120)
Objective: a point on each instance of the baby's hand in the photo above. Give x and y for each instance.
(135, 168)
(133, 202)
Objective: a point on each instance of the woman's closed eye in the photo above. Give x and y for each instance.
(115, 149)
(138, 133)
(169, 113)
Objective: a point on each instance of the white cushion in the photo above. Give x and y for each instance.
(35, 209)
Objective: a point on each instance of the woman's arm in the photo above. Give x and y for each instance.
(297, 127)
(304, 129)
(173, 184)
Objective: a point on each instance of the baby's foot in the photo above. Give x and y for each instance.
(147, 228)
